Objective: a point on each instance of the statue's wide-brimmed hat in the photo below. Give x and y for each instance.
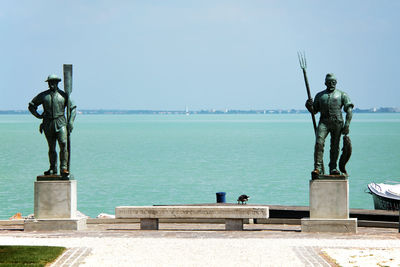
(330, 76)
(53, 77)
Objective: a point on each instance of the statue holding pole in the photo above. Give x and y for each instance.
(329, 104)
(55, 125)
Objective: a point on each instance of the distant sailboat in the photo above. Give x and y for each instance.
(187, 111)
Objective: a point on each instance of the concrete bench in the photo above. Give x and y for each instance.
(233, 215)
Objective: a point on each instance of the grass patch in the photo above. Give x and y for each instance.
(28, 255)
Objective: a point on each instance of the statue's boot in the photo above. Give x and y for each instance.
(63, 161)
(64, 173)
(51, 172)
(315, 173)
(53, 163)
(334, 172)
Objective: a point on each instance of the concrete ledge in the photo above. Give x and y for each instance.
(360, 223)
(55, 224)
(191, 212)
(116, 221)
(378, 224)
(211, 221)
(233, 216)
(329, 225)
(278, 221)
(110, 221)
(11, 222)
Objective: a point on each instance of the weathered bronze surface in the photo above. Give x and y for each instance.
(54, 125)
(329, 104)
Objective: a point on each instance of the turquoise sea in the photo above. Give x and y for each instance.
(178, 159)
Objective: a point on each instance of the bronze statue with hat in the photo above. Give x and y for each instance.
(55, 125)
(329, 103)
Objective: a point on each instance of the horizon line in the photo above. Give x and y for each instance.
(210, 110)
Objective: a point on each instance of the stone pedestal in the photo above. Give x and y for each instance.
(329, 207)
(55, 224)
(329, 225)
(329, 199)
(55, 199)
(55, 205)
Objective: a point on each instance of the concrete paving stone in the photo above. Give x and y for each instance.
(311, 256)
(72, 257)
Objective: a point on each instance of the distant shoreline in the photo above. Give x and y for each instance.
(209, 111)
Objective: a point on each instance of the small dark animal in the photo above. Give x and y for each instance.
(243, 199)
(346, 153)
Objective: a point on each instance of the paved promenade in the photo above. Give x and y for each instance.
(208, 244)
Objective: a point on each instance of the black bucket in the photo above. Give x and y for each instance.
(221, 197)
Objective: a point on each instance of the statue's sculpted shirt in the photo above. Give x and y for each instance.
(54, 104)
(330, 103)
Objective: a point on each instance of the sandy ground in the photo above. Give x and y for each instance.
(180, 245)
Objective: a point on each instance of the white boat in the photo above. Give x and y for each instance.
(386, 196)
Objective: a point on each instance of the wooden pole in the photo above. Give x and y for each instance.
(68, 90)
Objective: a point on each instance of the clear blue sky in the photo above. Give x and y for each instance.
(201, 54)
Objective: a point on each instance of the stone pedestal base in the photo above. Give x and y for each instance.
(55, 224)
(55, 205)
(329, 199)
(329, 225)
(329, 207)
(55, 199)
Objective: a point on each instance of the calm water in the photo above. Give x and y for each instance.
(177, 159)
